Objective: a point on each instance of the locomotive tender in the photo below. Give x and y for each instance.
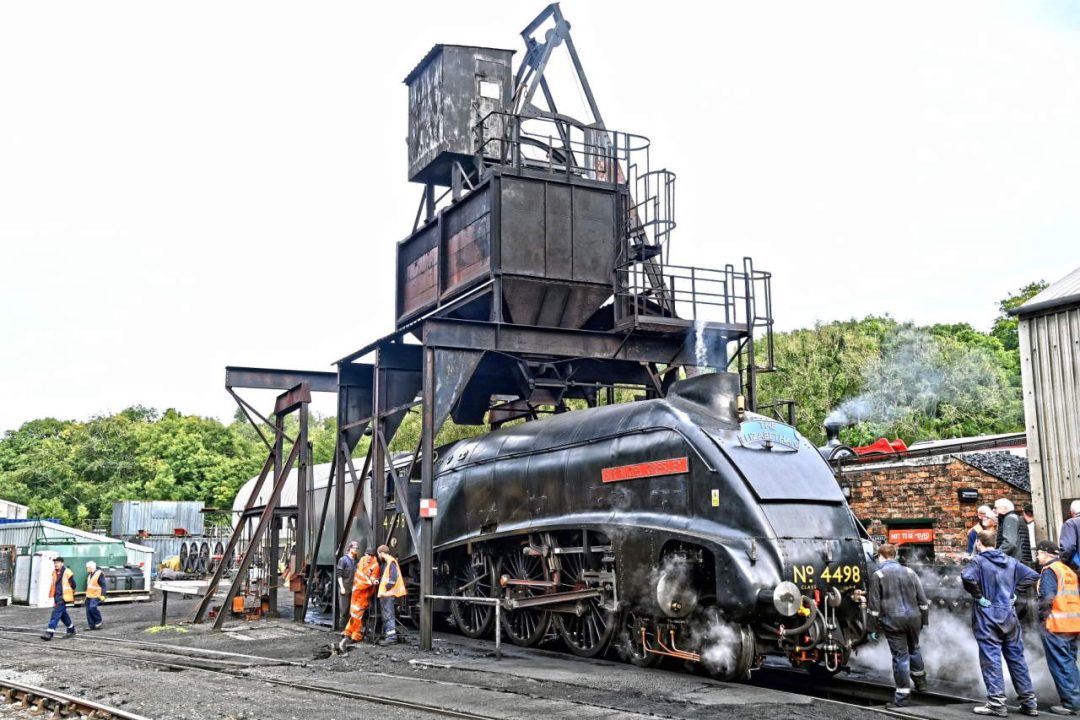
(678, 526)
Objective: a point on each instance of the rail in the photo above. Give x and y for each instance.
(60, 704)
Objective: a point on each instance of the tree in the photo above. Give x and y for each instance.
(821, 366)
(1005, 325)
(75, 471)
(895, 380)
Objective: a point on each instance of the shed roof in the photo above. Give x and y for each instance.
(1065, 291)
(438, 48)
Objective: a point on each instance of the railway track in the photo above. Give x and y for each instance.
(841, 691)
(60, 705)
(232, 670)
(848, 691)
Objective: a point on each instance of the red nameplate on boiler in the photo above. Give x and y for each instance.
(674, 466)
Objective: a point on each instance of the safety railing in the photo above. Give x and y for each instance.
(646, 290)
(559, 146)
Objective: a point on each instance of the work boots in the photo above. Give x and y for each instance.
(920, 682)
(995, 710)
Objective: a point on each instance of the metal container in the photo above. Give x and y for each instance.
(450, 91)
(12, 511)
(78, 552)
(547, 246)
(158, 517)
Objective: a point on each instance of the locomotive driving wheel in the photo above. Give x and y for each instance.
(525, 563)
(474, 576)
(588, 631)
(187, 557)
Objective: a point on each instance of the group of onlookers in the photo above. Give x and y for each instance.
(1004, 563)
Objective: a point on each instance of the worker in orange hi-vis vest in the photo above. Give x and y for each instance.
(95, 591)
(1059, 610)
(391, 588)
(365, 583)
(62, 592)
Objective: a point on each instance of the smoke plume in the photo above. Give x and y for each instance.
(921, 375)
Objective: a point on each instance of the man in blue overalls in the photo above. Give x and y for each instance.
(993, 579)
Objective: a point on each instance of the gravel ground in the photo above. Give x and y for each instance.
(459, 674)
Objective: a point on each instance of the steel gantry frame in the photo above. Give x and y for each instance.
(471, 362)
(298, 386)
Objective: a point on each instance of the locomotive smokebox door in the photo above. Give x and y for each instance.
(450, 91)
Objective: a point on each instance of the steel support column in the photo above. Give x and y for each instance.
(378, 459)
(299, 543)
(427, 475)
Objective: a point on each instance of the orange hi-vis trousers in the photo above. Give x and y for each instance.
(358, 605)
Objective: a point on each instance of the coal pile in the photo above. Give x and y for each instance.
(1003, 465)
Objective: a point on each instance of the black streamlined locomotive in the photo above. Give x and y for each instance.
(679, 527)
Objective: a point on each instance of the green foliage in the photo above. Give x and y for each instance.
(1005, 325)
(74, 471)
(896, 380)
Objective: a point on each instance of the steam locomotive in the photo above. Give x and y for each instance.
(676, 527)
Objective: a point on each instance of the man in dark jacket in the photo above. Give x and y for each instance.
(1012, 534)
(897, 606)
(1069, 537)
(346, 569)
(993, 579)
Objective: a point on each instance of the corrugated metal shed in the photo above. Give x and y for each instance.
(158, 517)
(28, 532)
(1065, 291)
(1050, 364)
(321, 476)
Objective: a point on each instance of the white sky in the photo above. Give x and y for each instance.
(185, 186)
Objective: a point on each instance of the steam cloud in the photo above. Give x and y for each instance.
(916, 373)
(951, 657)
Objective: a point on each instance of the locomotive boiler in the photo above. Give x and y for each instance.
(676, 527)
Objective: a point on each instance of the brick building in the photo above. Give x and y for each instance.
(926, 499)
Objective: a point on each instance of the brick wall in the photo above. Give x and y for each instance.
(927, 488)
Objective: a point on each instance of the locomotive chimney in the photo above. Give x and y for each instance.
(832, 432)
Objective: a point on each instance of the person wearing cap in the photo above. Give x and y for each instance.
(391, 587)
(993, 580)
(1059, 615)
(346, 568)
(62, 592)
(365, 583)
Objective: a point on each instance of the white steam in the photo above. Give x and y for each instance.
(701, 349)
(719, 646)
(915, 375)
(951, 657)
